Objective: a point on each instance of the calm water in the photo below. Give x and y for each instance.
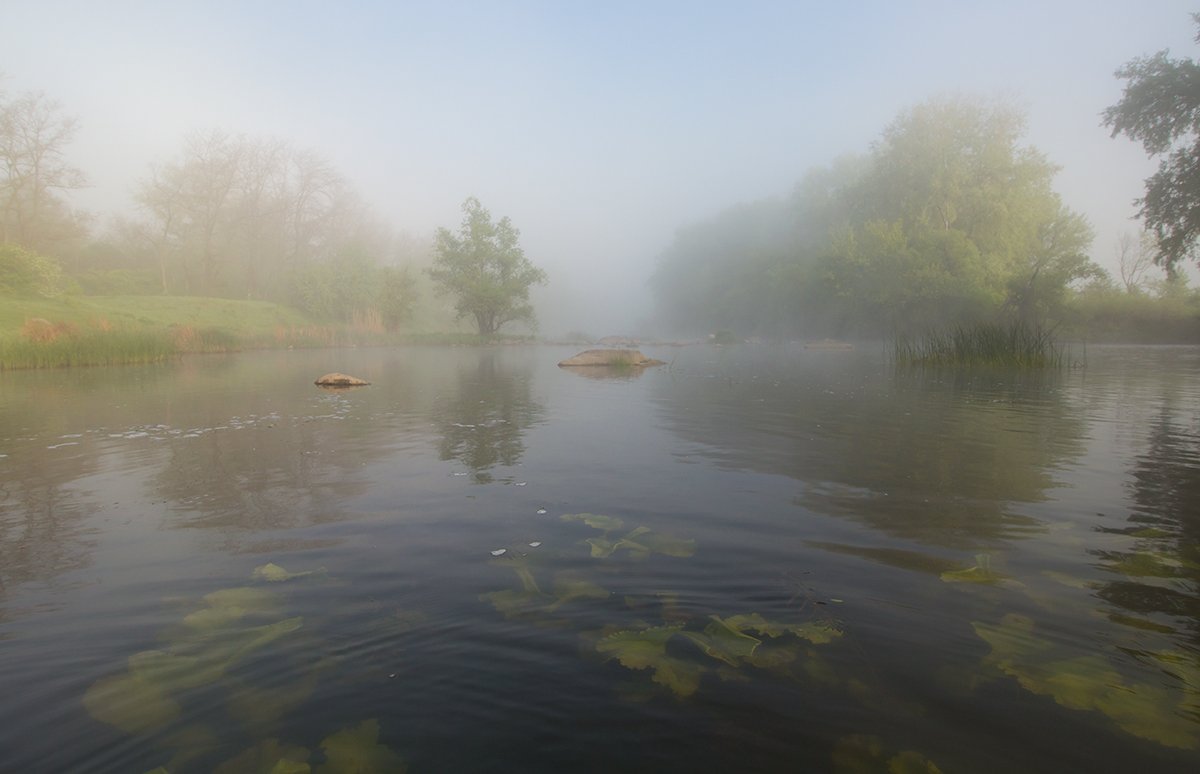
(757, 559)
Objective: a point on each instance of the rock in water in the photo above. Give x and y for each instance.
(611, 357)
(336, 379)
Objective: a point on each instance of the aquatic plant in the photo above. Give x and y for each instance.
(863, 753)
(725, 640)
(1092, 682)
(356, 750)
(531, 600)
(273, 573)
(1015, 345)
(202, 650)
(640, 541)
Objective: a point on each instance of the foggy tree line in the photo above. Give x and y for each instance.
(948, 219)
(228, 216)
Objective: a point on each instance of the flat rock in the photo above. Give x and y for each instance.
(336, 379)
(611, 357)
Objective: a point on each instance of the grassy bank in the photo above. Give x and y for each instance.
(1013, 346)
(106, 330)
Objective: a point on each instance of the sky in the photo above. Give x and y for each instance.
(599, 128)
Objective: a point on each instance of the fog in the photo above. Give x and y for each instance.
(599, 129)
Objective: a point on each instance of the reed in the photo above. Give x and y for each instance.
(85, 348)
(1014, 345)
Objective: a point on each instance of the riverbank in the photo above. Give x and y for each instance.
(111, 330)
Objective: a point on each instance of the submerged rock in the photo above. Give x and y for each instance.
(611, 357)
(336, 379)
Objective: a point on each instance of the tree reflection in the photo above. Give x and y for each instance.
(938, 457)
(482, 421)
(1161, 567)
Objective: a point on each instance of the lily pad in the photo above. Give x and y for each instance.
(130, 704)
(356, 750)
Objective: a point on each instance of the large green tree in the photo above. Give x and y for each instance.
(484, 266)
(950, 219)
(1160, 108)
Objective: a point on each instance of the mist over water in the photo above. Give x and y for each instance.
(600, 132)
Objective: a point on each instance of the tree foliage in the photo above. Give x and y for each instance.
(1160, 108)
(484, 266)
(948, 219)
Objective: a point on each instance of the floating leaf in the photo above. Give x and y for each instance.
(356, 750)
(130, 704)
(267, 757)
(274, 573)
(594, 520)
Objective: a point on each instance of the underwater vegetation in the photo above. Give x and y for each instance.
(640, 542)
(730, 641)
(1162, 713)
(201, 653)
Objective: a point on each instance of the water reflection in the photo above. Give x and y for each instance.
(934, 457)
(1159, 562)
(482, 419)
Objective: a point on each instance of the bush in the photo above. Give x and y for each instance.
(26, 273)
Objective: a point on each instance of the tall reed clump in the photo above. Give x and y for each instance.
(1013, 345)
(72, 347)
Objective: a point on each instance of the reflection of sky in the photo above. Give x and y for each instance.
(600, 128)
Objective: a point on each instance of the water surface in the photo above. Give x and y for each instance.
(754, 559)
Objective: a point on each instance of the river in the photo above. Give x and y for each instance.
(754, 558)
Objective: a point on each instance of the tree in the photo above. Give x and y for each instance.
(34, 172)
(1135, 256)
(1160, 108)
(486, 268)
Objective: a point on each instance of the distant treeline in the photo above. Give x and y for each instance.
(228, 216)
(948, 219)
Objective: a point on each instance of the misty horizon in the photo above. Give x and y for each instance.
(601, 131)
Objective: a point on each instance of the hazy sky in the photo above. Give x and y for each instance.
(598, 127)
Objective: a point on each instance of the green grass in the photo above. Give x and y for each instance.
(1014, 345)
(106, 330)
(86, 349)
